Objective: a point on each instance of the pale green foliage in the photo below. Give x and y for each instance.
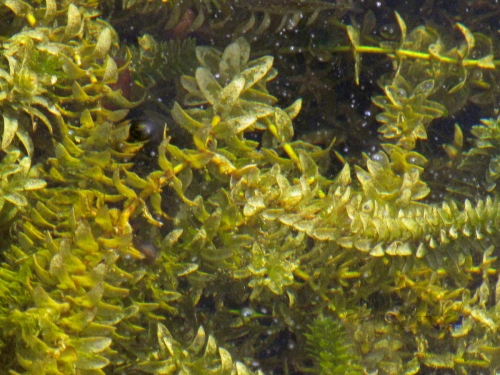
(226, 16)
(201, 356)
(232, 94)
(270, 269)
(407, 111)
(44, 63)
(453, 69)
(284, 207)
(485, 153)
(238, 102)
(328, 347)
(23, 91)
(151, 5)
(106, 255)
(60, 270)
(18, 178)
(163, 61)
(396, 180)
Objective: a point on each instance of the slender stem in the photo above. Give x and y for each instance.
(386, 51)
(373, 49)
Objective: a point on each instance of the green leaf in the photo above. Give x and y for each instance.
(2, 203)
(424, 88)
(244, 50)
(35, 112)
(122, 189)
(256, 70)
(293, 110)
(34, 184)
(229, 65)
(166, 341)
(486, 62)
(65, 158)
(10, 126)
(183, 119)
(89, 361)
(191, 85)
(354, 37)
(16, 199)
(208, 85)
(43, 300)
(284, 125)
(135, 181)
(19, 8)
(257, 109)
(103, 44)
(84, 238)
(235, 125)
(91, 344)
(396, 95)
(74, 23)
(71, 69)
(469, 38)
(110, 71)
(79, 94)
(50, 9)
(229, 95)
(157, 367)
(116, 98)
(198, 160)
(209, 58)
(402, 27)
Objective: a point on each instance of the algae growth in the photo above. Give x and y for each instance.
(193, 187)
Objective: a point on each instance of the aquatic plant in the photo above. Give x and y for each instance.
(328, 347)
(238, 244)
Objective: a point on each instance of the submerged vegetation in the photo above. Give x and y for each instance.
(257, 187)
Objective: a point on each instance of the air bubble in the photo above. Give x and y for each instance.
(378, 156)
(247, 312)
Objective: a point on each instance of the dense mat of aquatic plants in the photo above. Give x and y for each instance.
(237, 249)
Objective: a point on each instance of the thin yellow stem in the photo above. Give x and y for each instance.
(408, 54)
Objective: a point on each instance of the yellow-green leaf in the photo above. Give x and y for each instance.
(74, 23)
(208, 85)
(10, 125)
(103, 44)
